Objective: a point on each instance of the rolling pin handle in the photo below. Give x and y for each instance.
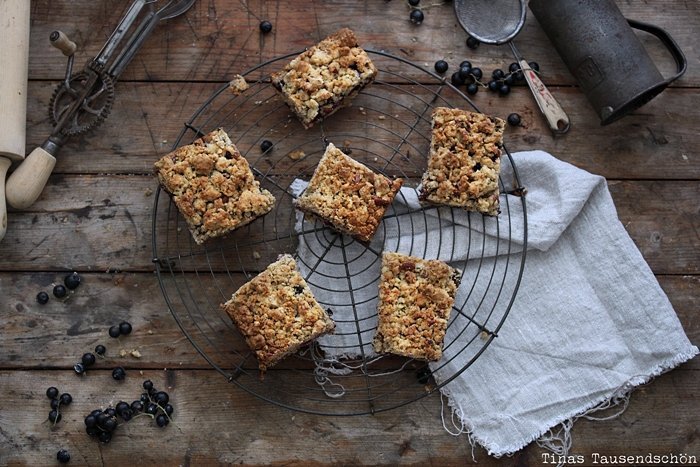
(63, 43)
(27, 182)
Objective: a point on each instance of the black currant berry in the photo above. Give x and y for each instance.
(266, 145)
(118, 373)
(54, 416)
(465, 72)
(79, 368)
(88, 359)
(152, 409)
(494, 85)
(72, 281)
(161, 398)
(472, 42)
(110, 424)
(534, 65)
(110, 411)
(114, 331)
(90, 421)
(504, 90)
(100, 349)
(416, 16)
(66, 399)
(55, 403)
(514, 119)
(42, 298)
(169, 409)
(125, 328)
(265, 26)
(477, 73)
(441, 66)
(105, 436)
(498, 74)
(162, 420)
(148, 385)
(63, 456)
(121, 407)
(59, 291)
(466, 63)
(413, 2)
(137, 406)
(456, 79)
(52, 392)
(472, 88)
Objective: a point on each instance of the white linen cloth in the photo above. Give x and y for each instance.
(589, 319)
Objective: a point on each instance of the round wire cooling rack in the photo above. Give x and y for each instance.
(387, 127)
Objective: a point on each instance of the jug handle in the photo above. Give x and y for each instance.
(670, 44)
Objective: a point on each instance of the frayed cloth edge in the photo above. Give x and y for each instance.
(625, 390)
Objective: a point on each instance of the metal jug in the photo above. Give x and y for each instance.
(606, 57)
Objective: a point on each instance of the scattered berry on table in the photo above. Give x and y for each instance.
(148, 385)
(466, 63)
(72, 281)
(125, 328)
(265, 26)
(66, 399)
(121, 407)
(161, 398)
(472, 88)
(504, 90)
(114, 331)
(42, 298)
(79, 368)
(465, 72)
(90, 421)
(59, 291)
(477, 73)
(52, 392)
(118, 373)
(137, 406)
(100, 349)
(88, 359)
(54, 416)
(152, 409)
(441, 66)
(63, 456)
(266, 145)
(416, 16)
(472, 42)
(514, 119)
(104, 436)
(413, 2)
(162, 420)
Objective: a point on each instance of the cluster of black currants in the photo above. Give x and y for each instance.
(101, 424)
(56, 402)
(70, 282)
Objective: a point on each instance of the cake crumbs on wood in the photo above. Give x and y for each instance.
(297, 155)
(238, 85)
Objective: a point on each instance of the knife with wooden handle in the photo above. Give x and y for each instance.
(14, 66)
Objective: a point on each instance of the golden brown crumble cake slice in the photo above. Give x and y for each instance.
(325, 77)
(348, 195)
(464, 161)
(277, 313)
(415, 300)
(212, 186)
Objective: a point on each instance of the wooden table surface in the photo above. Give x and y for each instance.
(95, 215)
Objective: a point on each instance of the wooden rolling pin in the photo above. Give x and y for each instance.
(14, 66)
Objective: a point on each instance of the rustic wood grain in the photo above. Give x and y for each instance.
(95, 216)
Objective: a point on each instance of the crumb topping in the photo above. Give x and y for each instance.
(464, 160)
(320, 80)
(415, 300)
(348, 195)
(277, 313)
(212, 186)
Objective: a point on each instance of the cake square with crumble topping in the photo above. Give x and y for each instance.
(415, 300)
(464, 161)
(212, 186)
(325, 77)
(348, 195)
(277, 313)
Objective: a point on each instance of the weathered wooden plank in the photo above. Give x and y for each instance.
(105, 222)
(206, 408)
(655, 142)
(55, 335)
(216, 39)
